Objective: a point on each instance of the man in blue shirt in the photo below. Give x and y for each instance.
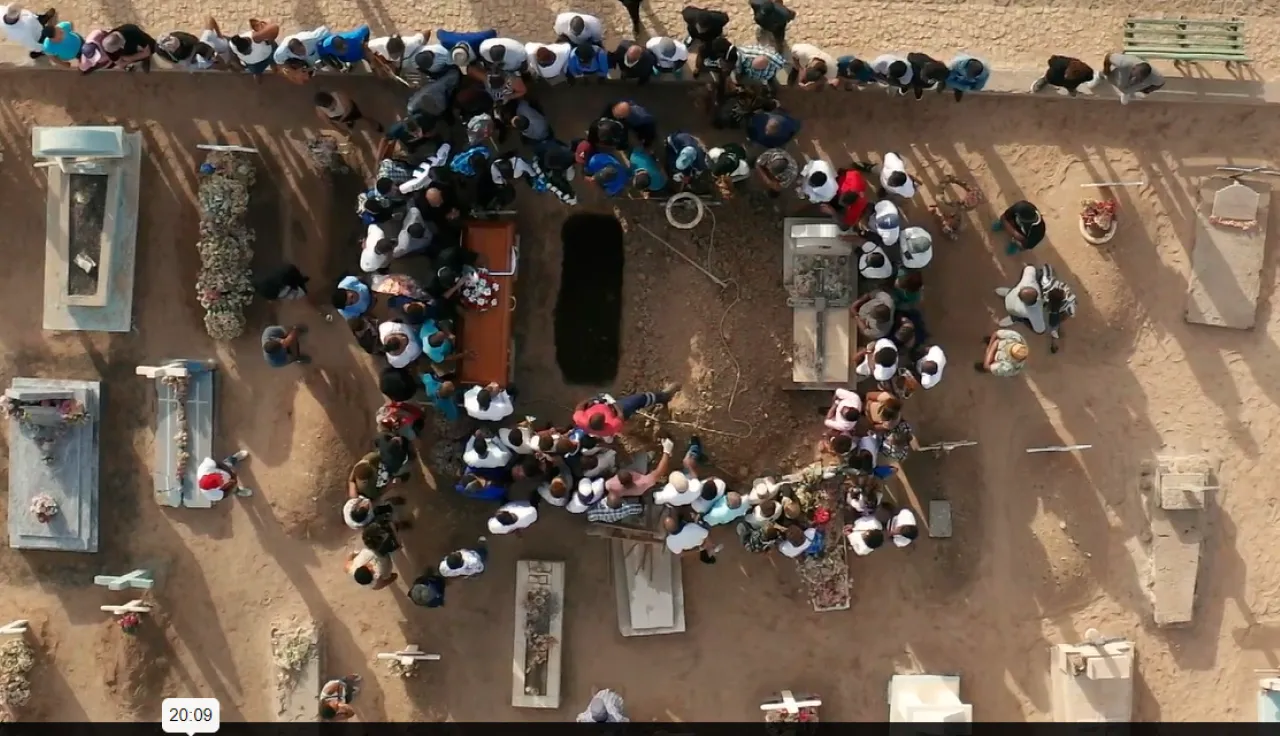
(280, 347)
(647, 175)
(636, 119)
(854, 71)
(772, 129)
(587, 61)
(344, 49)
(352, 298)
(468, 40)
(609, 172)
(967, 74)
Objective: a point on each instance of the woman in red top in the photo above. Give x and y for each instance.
(603, 416)
(851, 201)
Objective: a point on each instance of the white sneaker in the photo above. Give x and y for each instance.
(1006, 322)
(1038, 85)
(241, 455)
(244, 492)
(1002, 291)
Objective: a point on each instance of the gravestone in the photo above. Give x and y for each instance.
(54, 456)
(189, 383)
(91, 223)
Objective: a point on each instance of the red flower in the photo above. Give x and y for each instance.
(821, 516)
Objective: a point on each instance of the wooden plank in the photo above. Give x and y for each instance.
(1226, 264)
(489, 333)
(531, 574)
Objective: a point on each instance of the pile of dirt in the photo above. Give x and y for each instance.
(17, 659)
(135, 666)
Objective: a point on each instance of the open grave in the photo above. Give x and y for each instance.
(1175, 489)
(539, 631)
(928, 699)
(53, 464)
(1230, 242)
(91, 225)
(184, 429)
(296, 653)
(588, 313)
(1092, 682)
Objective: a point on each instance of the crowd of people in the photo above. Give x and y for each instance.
(471, 128)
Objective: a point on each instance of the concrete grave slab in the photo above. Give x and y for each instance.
(169, 488)
(534, 576)
(63, 465)
(1226, 264)
(649, 587)
(1092, 682)
(939, 519)
(92, 152)
(297, 689)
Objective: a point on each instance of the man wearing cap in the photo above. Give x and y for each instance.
(605, 707)
(686, 157)
(1006, 354)
(1024, 302)
(894, 72)
(464, 46)
(427, 590)
(879, 360)
(894, 178)
(301, 46)
(930, 367)
(215, 479)
(873, 262)
(1024, 224)
(818, 182)
(887, 222)
(27, 29)
(967, 74)
(579, 29)
(671, 54)
(916, 250)
(634, 61)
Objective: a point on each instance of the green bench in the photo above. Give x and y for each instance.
(1185, 40)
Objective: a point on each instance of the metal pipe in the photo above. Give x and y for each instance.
(719, 282)
(1113, 184)
(1058, 448)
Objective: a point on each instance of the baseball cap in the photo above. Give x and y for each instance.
(935, 354)
(887, 222)
(666, 47)
(688, 155)
(460, 55)
(91, 55)
(917, 247)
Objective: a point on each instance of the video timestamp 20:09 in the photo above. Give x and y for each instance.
(190, 715)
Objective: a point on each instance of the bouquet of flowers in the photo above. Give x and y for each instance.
(224, 286)
(480, 290)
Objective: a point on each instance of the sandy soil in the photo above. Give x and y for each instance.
(1041, 551)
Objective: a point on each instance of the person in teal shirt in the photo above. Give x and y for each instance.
(62, 43)
(728, 508)
(609, 172)
(443, 395)
(346, 48)
(647, 175)
(437, 342)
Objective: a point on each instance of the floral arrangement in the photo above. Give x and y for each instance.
(224, 287)
(1098, 215)
(129, 623)
(479, 291)
(44, 508)
(181, 386)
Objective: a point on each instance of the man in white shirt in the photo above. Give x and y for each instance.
(680, 490)
(377, 252)
(400, 343)
(599, 464)
(670, 53)
(764, 514)
(894, 177)
(579, 29)
(415, 234)
(556, 490)
(465, 563)
(713, 489)
(506, 54)
(684, 536)
(812, 67)
(916, 250)
(902, 528)
(548, 60)
(489, 403)
(369, 568)
(1024, 302)
(25, 28)
(873, 262)
(763, 489)
(818, 182)
(865, 535)
(797, 541)
(395, 54)
(887, 221)
(844, 412)
(483, 451)
(894, 72)
(301, 46)
(880, 361)
(432, 60)
(513, 516)
(930, 367)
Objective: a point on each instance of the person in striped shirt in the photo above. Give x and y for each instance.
(758, 65)
(1060, 303)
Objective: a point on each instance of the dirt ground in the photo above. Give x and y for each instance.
(1042, 545)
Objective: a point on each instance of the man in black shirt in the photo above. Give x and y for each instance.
(703, 26)
(127, 45)
(633, 10)
(282, 282)
(411, 133)
(634, 61)
(1024, 224)
(772, 17)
